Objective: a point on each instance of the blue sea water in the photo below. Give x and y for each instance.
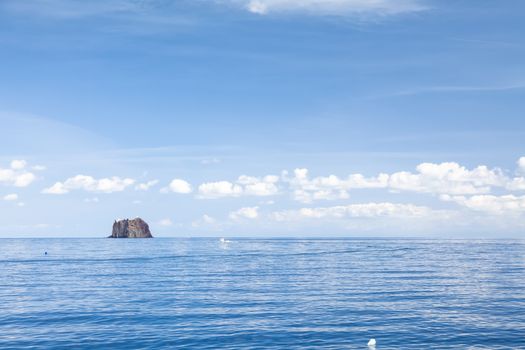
(261, 294)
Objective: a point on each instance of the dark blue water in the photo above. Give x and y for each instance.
(261, 294)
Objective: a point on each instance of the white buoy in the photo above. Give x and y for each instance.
(372, 343)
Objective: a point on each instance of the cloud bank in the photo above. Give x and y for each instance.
(463, 197)
(443, 178)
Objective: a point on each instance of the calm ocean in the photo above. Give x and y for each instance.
(261, 294)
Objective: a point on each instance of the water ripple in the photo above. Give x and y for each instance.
(261, 294)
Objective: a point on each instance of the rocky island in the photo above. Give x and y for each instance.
(135, 228)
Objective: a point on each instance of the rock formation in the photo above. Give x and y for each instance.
(136, 228)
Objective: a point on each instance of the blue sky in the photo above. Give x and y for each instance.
(268, 118)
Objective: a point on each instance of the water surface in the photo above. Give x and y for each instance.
(261, 294)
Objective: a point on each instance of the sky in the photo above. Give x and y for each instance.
(263, 118)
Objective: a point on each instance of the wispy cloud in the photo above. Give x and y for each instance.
(127, 16)
(330, 7)
(165, 12)
(458, 88)
(73, 8)
(209, 161)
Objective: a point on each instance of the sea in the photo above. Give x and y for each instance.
(170, 293)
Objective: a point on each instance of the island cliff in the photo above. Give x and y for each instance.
(136, 228)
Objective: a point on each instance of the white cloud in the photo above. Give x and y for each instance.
(521, 165)
(146, 185)
(91, 200)
(330, 7)
(254, 186)
(24, 179)
(57, 188)
(219, 189)
(516, 184)
(245, 213)
(114, 184)
(329, 187)
(448, 178)
(245, 185)
(10, 197)
(490, 204)
(178, 186)
(15, 175)
(366, 210)
(21, 204)
(39, 168)
(443, 178)
(208, 219)
(259, 7)
(90, 184)
(165, 222)
(18, 164)
(433, 178)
